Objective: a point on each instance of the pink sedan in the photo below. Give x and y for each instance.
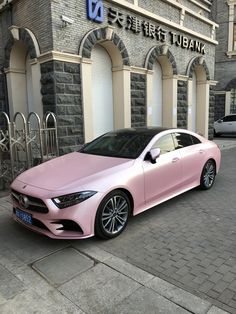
(119, 174)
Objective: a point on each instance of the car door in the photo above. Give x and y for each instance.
(234, 123)
(225, 125)
(192, 155)
(164, 177)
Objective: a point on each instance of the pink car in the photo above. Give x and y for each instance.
(119, 174)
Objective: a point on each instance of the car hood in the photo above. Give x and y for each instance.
(72, 170)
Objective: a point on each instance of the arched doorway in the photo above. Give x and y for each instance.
(23, 73)
(198, 96)
(161, 87)
(105, 70)
(102, 91)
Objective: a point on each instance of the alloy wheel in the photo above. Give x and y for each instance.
(208, 175)
(115, 214)
(112, 215)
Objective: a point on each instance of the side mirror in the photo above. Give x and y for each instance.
(154, 154)
(83, 146)
(220, 121)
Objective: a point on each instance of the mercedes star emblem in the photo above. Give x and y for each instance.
(23, 201)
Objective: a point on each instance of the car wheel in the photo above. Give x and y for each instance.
(208, 175)
(112, 215)
(216, 134)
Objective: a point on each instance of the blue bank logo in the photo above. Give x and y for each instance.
(95, 10)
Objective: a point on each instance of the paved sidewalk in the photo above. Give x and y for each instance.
(225, 143)
(40, 275)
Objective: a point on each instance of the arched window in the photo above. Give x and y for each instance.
(157, 119)
(23, 82)
(102, 91)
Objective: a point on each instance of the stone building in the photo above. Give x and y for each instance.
(224, 13)
(102, 65)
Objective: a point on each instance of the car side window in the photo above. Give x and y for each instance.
(228, 118)
(165, 143)
(234, 118)
(225, 119)
(182, 140)
(195, 140)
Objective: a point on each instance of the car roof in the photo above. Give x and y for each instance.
(142, 130)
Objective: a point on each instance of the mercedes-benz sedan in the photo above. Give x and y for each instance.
(119, 174)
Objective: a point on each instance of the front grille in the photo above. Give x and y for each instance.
(34, 204)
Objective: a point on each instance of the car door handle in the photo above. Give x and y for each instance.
(175, 159)
(201, 151)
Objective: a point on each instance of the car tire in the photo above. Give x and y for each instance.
(112, 215)
(216, 134)
(208, 175)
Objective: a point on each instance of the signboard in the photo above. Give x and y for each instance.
(95, 10)
(131, 23)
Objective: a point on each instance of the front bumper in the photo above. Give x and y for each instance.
(75, 222)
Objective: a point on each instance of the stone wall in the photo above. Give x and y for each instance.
(225, 66)
(182, 105)
(3, 106)
(69, 39)
(138, 100)
(61, 90)
(219, 106)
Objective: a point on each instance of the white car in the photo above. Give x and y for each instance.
(225, 125)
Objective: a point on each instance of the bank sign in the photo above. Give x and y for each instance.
(95, 12)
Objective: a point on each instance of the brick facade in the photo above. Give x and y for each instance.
(138, 102)
(225, 54)
(41, 32)
(61, 90)
(219, 106)
(182, 105)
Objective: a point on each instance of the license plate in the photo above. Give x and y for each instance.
(23, 216)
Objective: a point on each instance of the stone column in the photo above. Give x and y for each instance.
(219, 105)
(211, 113)
(182, 104)
(3, 96)
(61, 90)
(138, 100)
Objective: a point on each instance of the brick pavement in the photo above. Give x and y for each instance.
(190, 240)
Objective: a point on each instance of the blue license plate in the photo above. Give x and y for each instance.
(23, 216)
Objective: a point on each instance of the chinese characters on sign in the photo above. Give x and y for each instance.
(95, 12)
(136, 25)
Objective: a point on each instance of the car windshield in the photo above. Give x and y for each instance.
(128, 144)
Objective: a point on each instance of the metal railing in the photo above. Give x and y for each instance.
(26, 142)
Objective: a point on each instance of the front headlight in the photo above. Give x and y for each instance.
(72, 199)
